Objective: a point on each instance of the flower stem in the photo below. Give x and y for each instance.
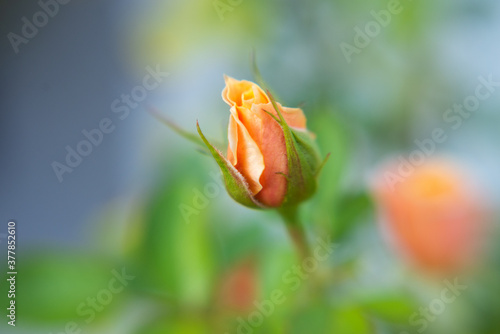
(296, 230)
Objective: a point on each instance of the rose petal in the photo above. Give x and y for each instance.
(240, 93)
(294, 117)
(244, 153)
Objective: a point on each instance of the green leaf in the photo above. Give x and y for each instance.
(276, 260)
(193, 324)
(239, 241)
(236, 185)
(333, 135)
(349, 320)
(311, 319)
(389, 306)
(53, 285)
(350, 211)
(176, 253)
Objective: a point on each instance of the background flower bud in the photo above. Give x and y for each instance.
(238, 287)
(432, 216)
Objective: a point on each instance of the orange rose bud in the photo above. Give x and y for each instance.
(432, 216)
(238, 289)
(272, 160)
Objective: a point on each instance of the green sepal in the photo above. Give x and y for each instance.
(304, 161)
(325, 160)
(257, 76)
(236, 185)
(256, 72)
(191, 136)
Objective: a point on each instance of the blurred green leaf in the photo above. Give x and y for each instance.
(52, 285)
(312, 319)
(176, 256)
(276, 261)
(179, 325)
(388, 305)
(349, 320)
(238, 241)
(331, 138)
(350, 211)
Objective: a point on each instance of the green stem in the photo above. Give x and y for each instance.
(296, 230)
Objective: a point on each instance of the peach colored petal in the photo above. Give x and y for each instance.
(273, 178)
(258, 95)
(243, 152)
(268, 135)
(234, 90)
(232, 135)
(242, 92)
(250, 159)
(251, 120)
(294, 117)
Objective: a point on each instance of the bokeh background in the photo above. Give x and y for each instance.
(123, 208)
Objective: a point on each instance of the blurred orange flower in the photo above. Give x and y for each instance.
(432, 217)
(238, 288)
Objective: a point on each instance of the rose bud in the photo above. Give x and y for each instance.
(431, 216)
(238, 288)
(272, 160)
